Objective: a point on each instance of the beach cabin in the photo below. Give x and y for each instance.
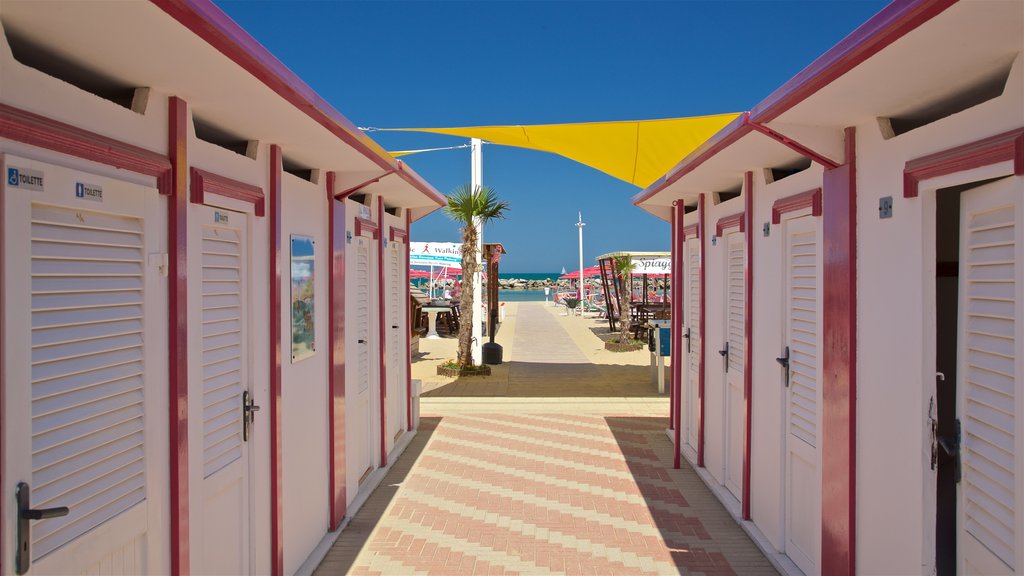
(205, 342)
(849, 320)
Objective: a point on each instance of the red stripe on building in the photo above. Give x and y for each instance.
(276, 465)
(336, 341)
(748, 339)
(382, 334)
(839, 385)
(700, 372)
(177, 295)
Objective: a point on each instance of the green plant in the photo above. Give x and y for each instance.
(471, 209)
(623, 269)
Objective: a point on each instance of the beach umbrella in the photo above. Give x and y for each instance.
(588, 272)
(418, 274)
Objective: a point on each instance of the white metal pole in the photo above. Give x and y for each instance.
(580, 225)
(475, 316)
(430, 282)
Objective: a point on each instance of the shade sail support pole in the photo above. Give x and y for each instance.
(476, 181)
(580, 224)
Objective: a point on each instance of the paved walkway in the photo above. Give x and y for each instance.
(552, 478)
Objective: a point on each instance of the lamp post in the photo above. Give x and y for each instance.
(580, 225)
(473, 314)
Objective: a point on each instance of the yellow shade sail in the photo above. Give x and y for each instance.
(637, 151)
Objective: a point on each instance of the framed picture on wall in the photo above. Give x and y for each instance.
(302, 311)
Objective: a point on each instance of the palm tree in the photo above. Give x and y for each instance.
(623, 268)
(471, 210)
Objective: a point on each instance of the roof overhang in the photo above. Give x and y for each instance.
(191, 49)
(888, 66)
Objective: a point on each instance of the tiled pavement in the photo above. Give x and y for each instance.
(542, 487)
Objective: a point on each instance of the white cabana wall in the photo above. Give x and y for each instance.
(878, 506)
(213, 495)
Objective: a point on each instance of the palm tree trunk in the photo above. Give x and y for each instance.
(469, 267)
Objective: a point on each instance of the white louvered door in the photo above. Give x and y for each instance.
(802, 315)
(734, 330)
(988, 373)
(396, 341)
(220, 467)
(692, 403)
(362, 442)
(85, 329)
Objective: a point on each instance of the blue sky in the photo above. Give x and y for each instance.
(425, 63)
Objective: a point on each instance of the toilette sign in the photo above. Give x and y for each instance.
(437, 254)
(25, 178)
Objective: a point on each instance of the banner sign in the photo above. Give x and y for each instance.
(437, 254)
(649, 265)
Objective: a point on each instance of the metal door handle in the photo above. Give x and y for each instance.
(362, 341)
(249, 410)
(784, 362)
(395, 326)
(26, 514)
(725, 354)
(688, 340)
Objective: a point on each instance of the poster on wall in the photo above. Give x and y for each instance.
(303, 341)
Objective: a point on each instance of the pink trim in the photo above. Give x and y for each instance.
(748, 340)
(211, 24)
(35, 130)
(350, 191)
(810, 199)
(839, 385)
(337, 497)
(676, 353)
(398, 233)
(727, 222)
(408, 329)
(3, 381)
(691, 230)
(985, 152)
(674, 231)
(177, 295)
(276, 464)
(889, 25)
(366, 227)
(204, 182)
(703, 334)
(794, 145)
(382, 331)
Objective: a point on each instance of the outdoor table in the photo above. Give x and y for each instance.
(432, 312)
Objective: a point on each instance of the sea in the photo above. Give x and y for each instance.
(524, 295)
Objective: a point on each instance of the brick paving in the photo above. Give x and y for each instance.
(543, 487)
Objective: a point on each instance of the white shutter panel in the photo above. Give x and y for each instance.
(988, 354)
(803, 322)
(735, 303)
(394, 305)
(363, 312)
(694, 305)
(222, 347)
(87, 369)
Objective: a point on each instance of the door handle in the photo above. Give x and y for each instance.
(687, 336)
(361, 341)
(395, 326)
(26, 514)
(249, 410)
(951, 446)
(784, 362)
(725, 354)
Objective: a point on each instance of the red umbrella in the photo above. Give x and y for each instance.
(589, 272)
(418, 274)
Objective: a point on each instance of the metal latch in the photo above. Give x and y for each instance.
(784, 362)
(725, 354)
(687, 336)
(249, 410)
(26, 514)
